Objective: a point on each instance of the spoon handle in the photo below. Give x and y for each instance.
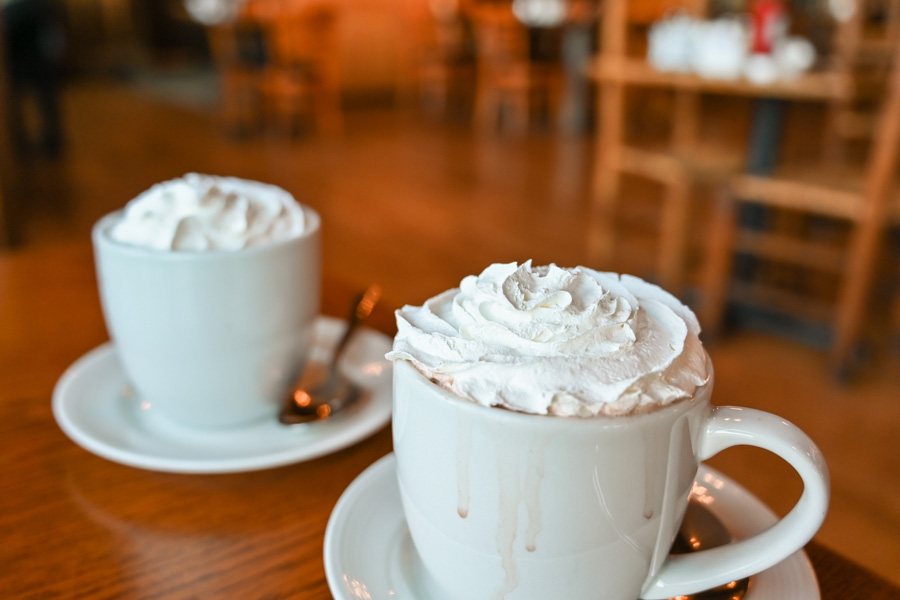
(364, 305)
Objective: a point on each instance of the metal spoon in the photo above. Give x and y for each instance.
(314, 397)
(701, 530)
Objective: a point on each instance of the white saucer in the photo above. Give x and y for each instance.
(89, 407)
(369, 554)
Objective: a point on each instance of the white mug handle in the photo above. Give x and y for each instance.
(729, 426)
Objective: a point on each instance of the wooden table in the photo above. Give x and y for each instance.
(75, 525)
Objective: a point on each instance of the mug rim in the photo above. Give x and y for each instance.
(701, 396)
(101, 238)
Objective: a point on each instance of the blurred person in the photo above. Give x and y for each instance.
(34, 36)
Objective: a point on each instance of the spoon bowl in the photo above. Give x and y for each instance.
(701, 530)
(323, 390)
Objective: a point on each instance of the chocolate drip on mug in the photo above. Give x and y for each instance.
(463, 455)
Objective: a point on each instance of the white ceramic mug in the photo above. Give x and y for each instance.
(720, 48)
(210, 339)
(514, 506)
(669, 43)
(794, 55)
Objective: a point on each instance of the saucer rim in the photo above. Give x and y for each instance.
(763, 588)
(348, 431)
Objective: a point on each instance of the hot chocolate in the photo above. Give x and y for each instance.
(210, 291)
(531, 507)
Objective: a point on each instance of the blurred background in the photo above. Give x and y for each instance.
(741, 153)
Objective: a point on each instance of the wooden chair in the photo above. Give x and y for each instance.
(862, 47)
(444, 66)
(302, 75)
(236, 51)
(508, 82)
(866, 201)
(680, 163)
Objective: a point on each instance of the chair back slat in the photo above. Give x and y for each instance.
(883, 159)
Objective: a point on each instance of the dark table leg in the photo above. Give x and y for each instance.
(762, 156)
(765, 136)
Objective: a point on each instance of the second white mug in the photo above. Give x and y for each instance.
(211, 339)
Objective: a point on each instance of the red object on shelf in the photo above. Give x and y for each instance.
(769, 21)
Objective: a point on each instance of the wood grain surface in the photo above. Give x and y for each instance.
(413, 204)
(77, 526)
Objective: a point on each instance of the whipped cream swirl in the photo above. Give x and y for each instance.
(551, 340)
(204, 212)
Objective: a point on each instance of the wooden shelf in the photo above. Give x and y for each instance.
(821, 85)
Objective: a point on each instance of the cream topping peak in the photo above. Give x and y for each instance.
(571, 342)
